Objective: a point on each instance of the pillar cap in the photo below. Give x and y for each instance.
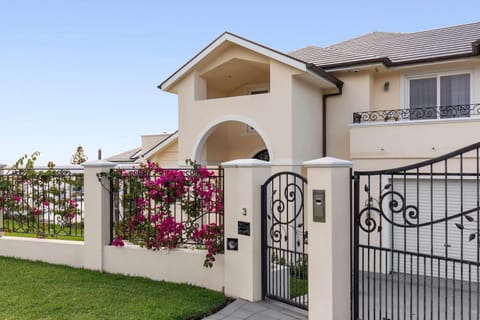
(328, 162)
(99, 164)
(246, 163)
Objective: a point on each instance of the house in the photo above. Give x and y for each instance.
(365, 99)
(382, 100)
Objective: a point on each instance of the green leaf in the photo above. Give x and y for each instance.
(472, 236)
(460, 226)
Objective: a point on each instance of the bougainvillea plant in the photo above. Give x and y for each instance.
(43, 202)
(166, 208)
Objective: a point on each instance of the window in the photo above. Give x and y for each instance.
(441, 95)
(262, 155)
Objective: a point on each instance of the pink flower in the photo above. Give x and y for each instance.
(118, 242)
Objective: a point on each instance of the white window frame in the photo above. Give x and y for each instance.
(407, 77)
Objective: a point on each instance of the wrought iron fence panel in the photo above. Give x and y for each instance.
(46, 203)
(127, 190)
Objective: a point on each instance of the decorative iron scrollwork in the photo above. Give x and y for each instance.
(454, 111)
(396, 204)
(283, 223)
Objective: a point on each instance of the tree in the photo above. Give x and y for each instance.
(79, 156)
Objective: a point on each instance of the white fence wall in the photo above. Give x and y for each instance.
(65, 252)
(176, 265)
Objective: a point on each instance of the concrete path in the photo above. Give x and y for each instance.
(262, 310)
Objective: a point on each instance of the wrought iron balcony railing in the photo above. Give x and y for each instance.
(443, 112)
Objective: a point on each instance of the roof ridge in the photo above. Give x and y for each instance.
(450, 42)
(443, 28)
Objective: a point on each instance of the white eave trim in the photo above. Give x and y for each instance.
(241, 42)
(359, 67)
(162, 145)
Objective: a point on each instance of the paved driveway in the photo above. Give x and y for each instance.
(262, 310)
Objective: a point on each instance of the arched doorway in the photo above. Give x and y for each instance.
(230, 140)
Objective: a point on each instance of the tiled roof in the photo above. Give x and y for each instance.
(396, 48)
(127, 156)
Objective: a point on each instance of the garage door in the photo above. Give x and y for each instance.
(444, 233)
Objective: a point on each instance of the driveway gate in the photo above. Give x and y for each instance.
(284, 237)
(416, 240)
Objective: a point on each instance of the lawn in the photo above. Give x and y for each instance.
(35, 290)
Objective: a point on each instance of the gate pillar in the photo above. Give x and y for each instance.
(329, 239)
(243, 181)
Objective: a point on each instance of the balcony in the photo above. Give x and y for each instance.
(427, 113)
(393, 138)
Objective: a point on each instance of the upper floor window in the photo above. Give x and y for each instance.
(439, 96)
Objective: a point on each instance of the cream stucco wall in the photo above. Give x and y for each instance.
(393, 144)
(364, 91)
(270, 114)
(70, 253)
(168, 157)
(356, 96)
(177, 265)
(307, 121)
(288, 118)
(386, 99)
(380, 144)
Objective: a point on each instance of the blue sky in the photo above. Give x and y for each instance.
(84, 72)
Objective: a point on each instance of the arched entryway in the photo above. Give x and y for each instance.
(229, 140)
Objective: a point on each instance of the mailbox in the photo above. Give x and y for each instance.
(244, 228)
(319, 206)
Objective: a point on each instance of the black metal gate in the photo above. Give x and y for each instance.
(284, 247)
(415, 251)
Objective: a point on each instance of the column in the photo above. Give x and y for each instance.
(97, 212)
(243, 274)
(329, 240)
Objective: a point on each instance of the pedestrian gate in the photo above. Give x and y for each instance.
(284, 237)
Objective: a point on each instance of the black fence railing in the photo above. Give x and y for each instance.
(442, 112)
(416, 246)
(42, 202)
(129, 200)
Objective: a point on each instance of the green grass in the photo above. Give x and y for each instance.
(298, 287)
(35, 290)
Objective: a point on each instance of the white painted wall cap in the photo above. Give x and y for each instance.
(328, 162)
(99, 164)
(245, 163)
